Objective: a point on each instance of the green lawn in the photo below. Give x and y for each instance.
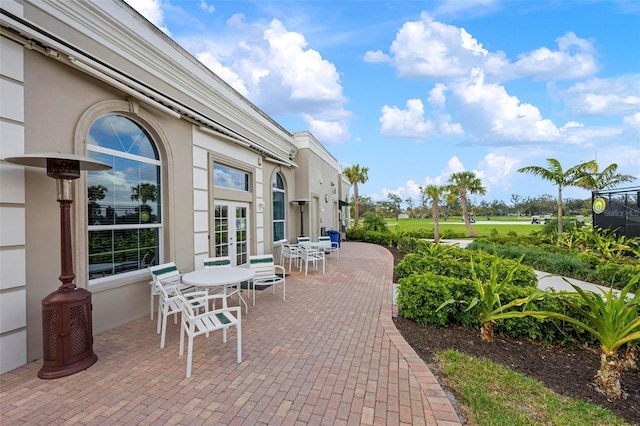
(496, 395)
(483, 229)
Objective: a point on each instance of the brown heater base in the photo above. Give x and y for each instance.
(67, 333)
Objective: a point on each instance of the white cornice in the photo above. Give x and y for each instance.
(120, 38)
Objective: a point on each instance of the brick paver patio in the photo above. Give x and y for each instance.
(329, 354)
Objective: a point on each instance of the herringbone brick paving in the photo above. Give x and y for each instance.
(328, 355)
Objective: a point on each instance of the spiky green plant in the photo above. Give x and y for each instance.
(613, 319)
(436, 249)
(488, 300)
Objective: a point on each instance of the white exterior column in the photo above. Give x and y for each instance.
(13, 308)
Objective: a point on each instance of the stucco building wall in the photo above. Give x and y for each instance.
(64, 65)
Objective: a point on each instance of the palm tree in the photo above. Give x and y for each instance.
(562, 179)
(608, 178)
(463, 183)
(144, 192)
(96, 193)
(435, 194)
(356, 174)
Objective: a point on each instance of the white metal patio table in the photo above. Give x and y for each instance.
(224, 276)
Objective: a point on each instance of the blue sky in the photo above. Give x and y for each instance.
(417, 90)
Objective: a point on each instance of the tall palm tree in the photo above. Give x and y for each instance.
(463, 183)
(144, 192)
(562, 178)
(435, 194)
(356, 174)
(608, 178)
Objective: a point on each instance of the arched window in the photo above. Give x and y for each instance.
(124, 203)
(279, 216)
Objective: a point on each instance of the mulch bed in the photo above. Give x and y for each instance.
(567, 371)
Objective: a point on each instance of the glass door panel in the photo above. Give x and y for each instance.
(231, 231)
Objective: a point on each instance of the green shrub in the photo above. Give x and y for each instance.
(387, 239)
(373, 222)
(411, 264)
(455, 263)
(419, 296)
(589, 258)
(616, 274)
(408, 243)
(569, 267)
(541, 330)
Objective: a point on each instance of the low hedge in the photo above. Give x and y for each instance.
(457, 264)
(617, 275)
(420, 295)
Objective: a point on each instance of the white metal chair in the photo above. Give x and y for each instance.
(195, 324)
(329, 246)
(303, 240)
(171, 304)
(168, 274)
(267, 273)
(311, 255)
(290, 252)
(222, 262)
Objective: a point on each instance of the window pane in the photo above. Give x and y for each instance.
(121, 134)
(277, 182)
(128, 194)
(278, 231)
(278, 205)
(115, 252)
(227, 177)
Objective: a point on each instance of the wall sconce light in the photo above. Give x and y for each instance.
(259, 161)
(321, 181)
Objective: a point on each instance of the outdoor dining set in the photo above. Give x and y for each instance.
(194, 295)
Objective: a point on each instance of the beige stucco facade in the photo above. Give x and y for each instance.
(64, 65)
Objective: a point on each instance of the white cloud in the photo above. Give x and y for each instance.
(376, 56)
(207, 7)
(407, 123)
(428, 48)
(275, 69)
(437, 96)
(574, 59)
(590, 136)
(412, 123)
(496, 170)
(431, 49)
(328, 131)
(228, 75)
(633, 121)
(412, 189)
(152, 10)
(499, 117)
(612, 96)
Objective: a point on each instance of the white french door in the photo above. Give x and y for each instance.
(231, 231)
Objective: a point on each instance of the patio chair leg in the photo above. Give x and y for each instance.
(181, 339)
(239, 339)
(189, 356)
(151, 306)
(158, 328)
(164, 330)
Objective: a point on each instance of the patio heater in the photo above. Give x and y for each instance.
(67, 331)
(301, 202)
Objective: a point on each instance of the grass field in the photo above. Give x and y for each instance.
(483, 227)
